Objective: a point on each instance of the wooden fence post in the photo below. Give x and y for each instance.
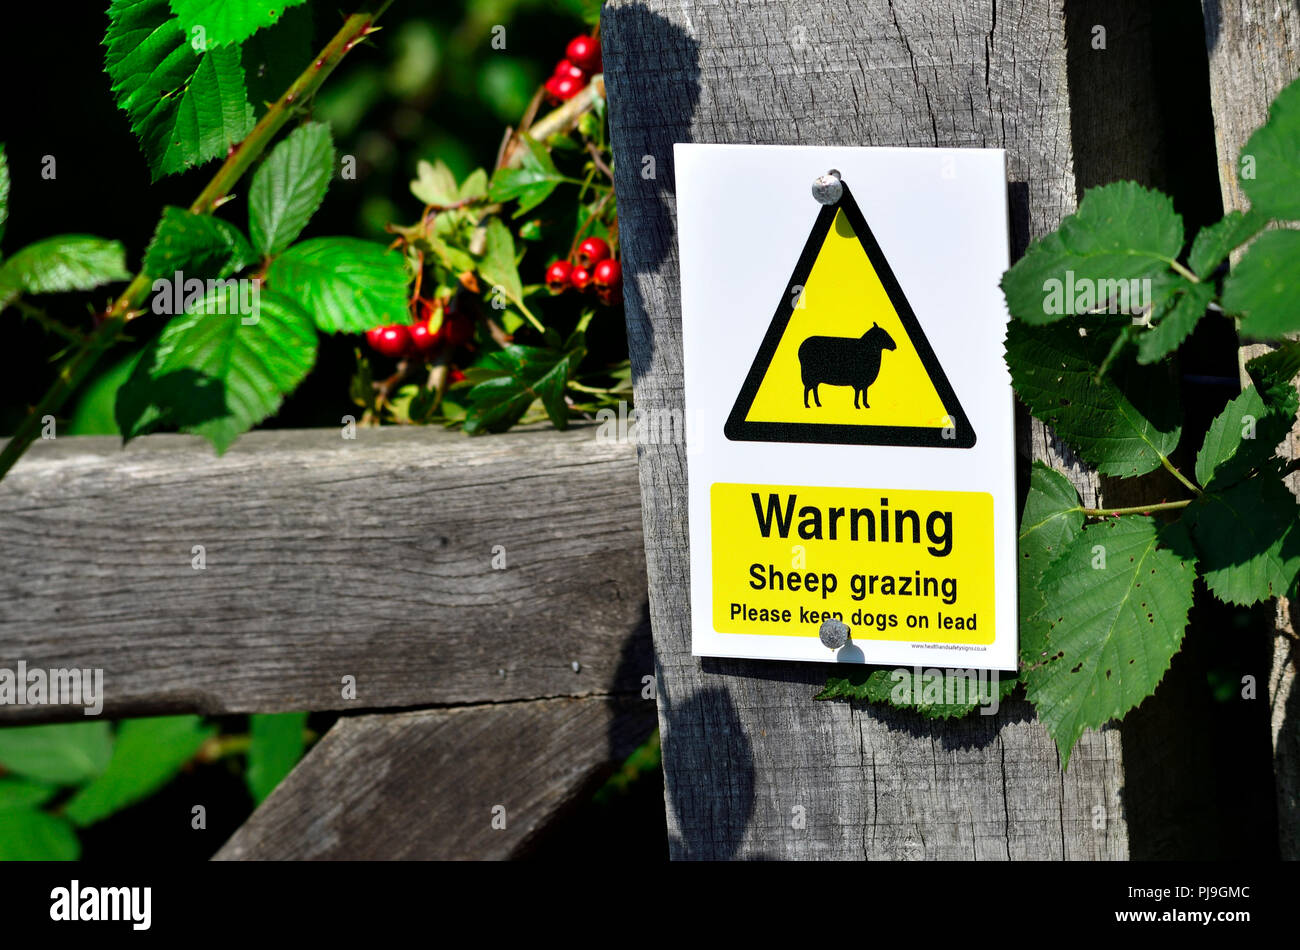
(747, 753)
(1254, 51)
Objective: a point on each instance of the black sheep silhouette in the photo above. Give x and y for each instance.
(843, 361)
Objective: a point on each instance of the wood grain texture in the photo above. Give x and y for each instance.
(326, 558)
(747, 753)
(424, 785)
(1254, 50)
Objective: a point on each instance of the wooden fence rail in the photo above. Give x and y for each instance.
(370, 558)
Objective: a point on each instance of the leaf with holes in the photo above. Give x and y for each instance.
(1121, 233)
(1124, 423)
(1116, 608)
(185, 106)
(347, 285)
(1240, 439)
(289, 186)
(1052, 519)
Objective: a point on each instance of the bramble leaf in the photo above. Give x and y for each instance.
(27, 834)
(1274, 374)
(1240, 439)
(184, 106)
(228, 21)
(532, 182)
(61, 754)
(1115, 607)
(934, 693)
(198, 245)
(289, 186)
(148, 753)
(1274, 155)
(1121, 232)
(275, 748)
(212, 374)
(1123, 423)
(66, 262)
(346, 285)
(1248, 540)
(272, 58)
(1261, 287)
(1052, 519)
(1173, 321)
(1216, 241)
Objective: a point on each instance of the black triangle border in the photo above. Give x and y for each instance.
(738, 430)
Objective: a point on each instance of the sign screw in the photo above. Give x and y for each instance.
(827, 189)
(834, 633)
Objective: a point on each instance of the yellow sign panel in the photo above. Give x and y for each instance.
(892, 564)
(845, 359)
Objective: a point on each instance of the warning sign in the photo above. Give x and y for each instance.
(845, 359)
(841, 333)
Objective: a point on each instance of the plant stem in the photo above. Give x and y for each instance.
(1180, 269)
(243, 155)
(1187, 482)
(1136, 509)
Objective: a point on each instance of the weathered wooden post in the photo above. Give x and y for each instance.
(1254, 50)
(745, 747)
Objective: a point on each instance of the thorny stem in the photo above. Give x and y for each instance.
(74, 371)
(1187, 482)
(1136, 509)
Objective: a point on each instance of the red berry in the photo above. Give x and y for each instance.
(564, 87)
(584, 52)
(580, 278)
(552, 89)
(590, 251)
(423, 340)
(373, 335)
(610, 295)
(392, 341)
(456, 375)
(565, 69)
(557, 276)
(607, 274)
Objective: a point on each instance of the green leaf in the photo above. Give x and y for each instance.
(1261, 288)
(185, 107)
(1121, 232)
(30, 835)
(1272, 155)
(228, 21)
(1215, 242)
(62, 753)
(4, 190)
(94, 412)
(1122, 423)
(276, 747)
(935, 694)
(19, 793)
(66, 262)
(289, 186)
(498, 266)
(435, 184)
(1173, 321)
(273, 58)
(347, 285)
(531, 183)
(1240, 439)
(529, 374)
(1274, 376)
(1113, 626)
(1248, 539)
(1052, 519)
(212, 374)
(148, 754)
(199, 245)
(474, 187)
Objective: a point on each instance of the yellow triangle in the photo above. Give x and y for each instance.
(844, 298)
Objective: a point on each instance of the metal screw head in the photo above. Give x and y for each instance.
(834, 633)
(828, 189)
